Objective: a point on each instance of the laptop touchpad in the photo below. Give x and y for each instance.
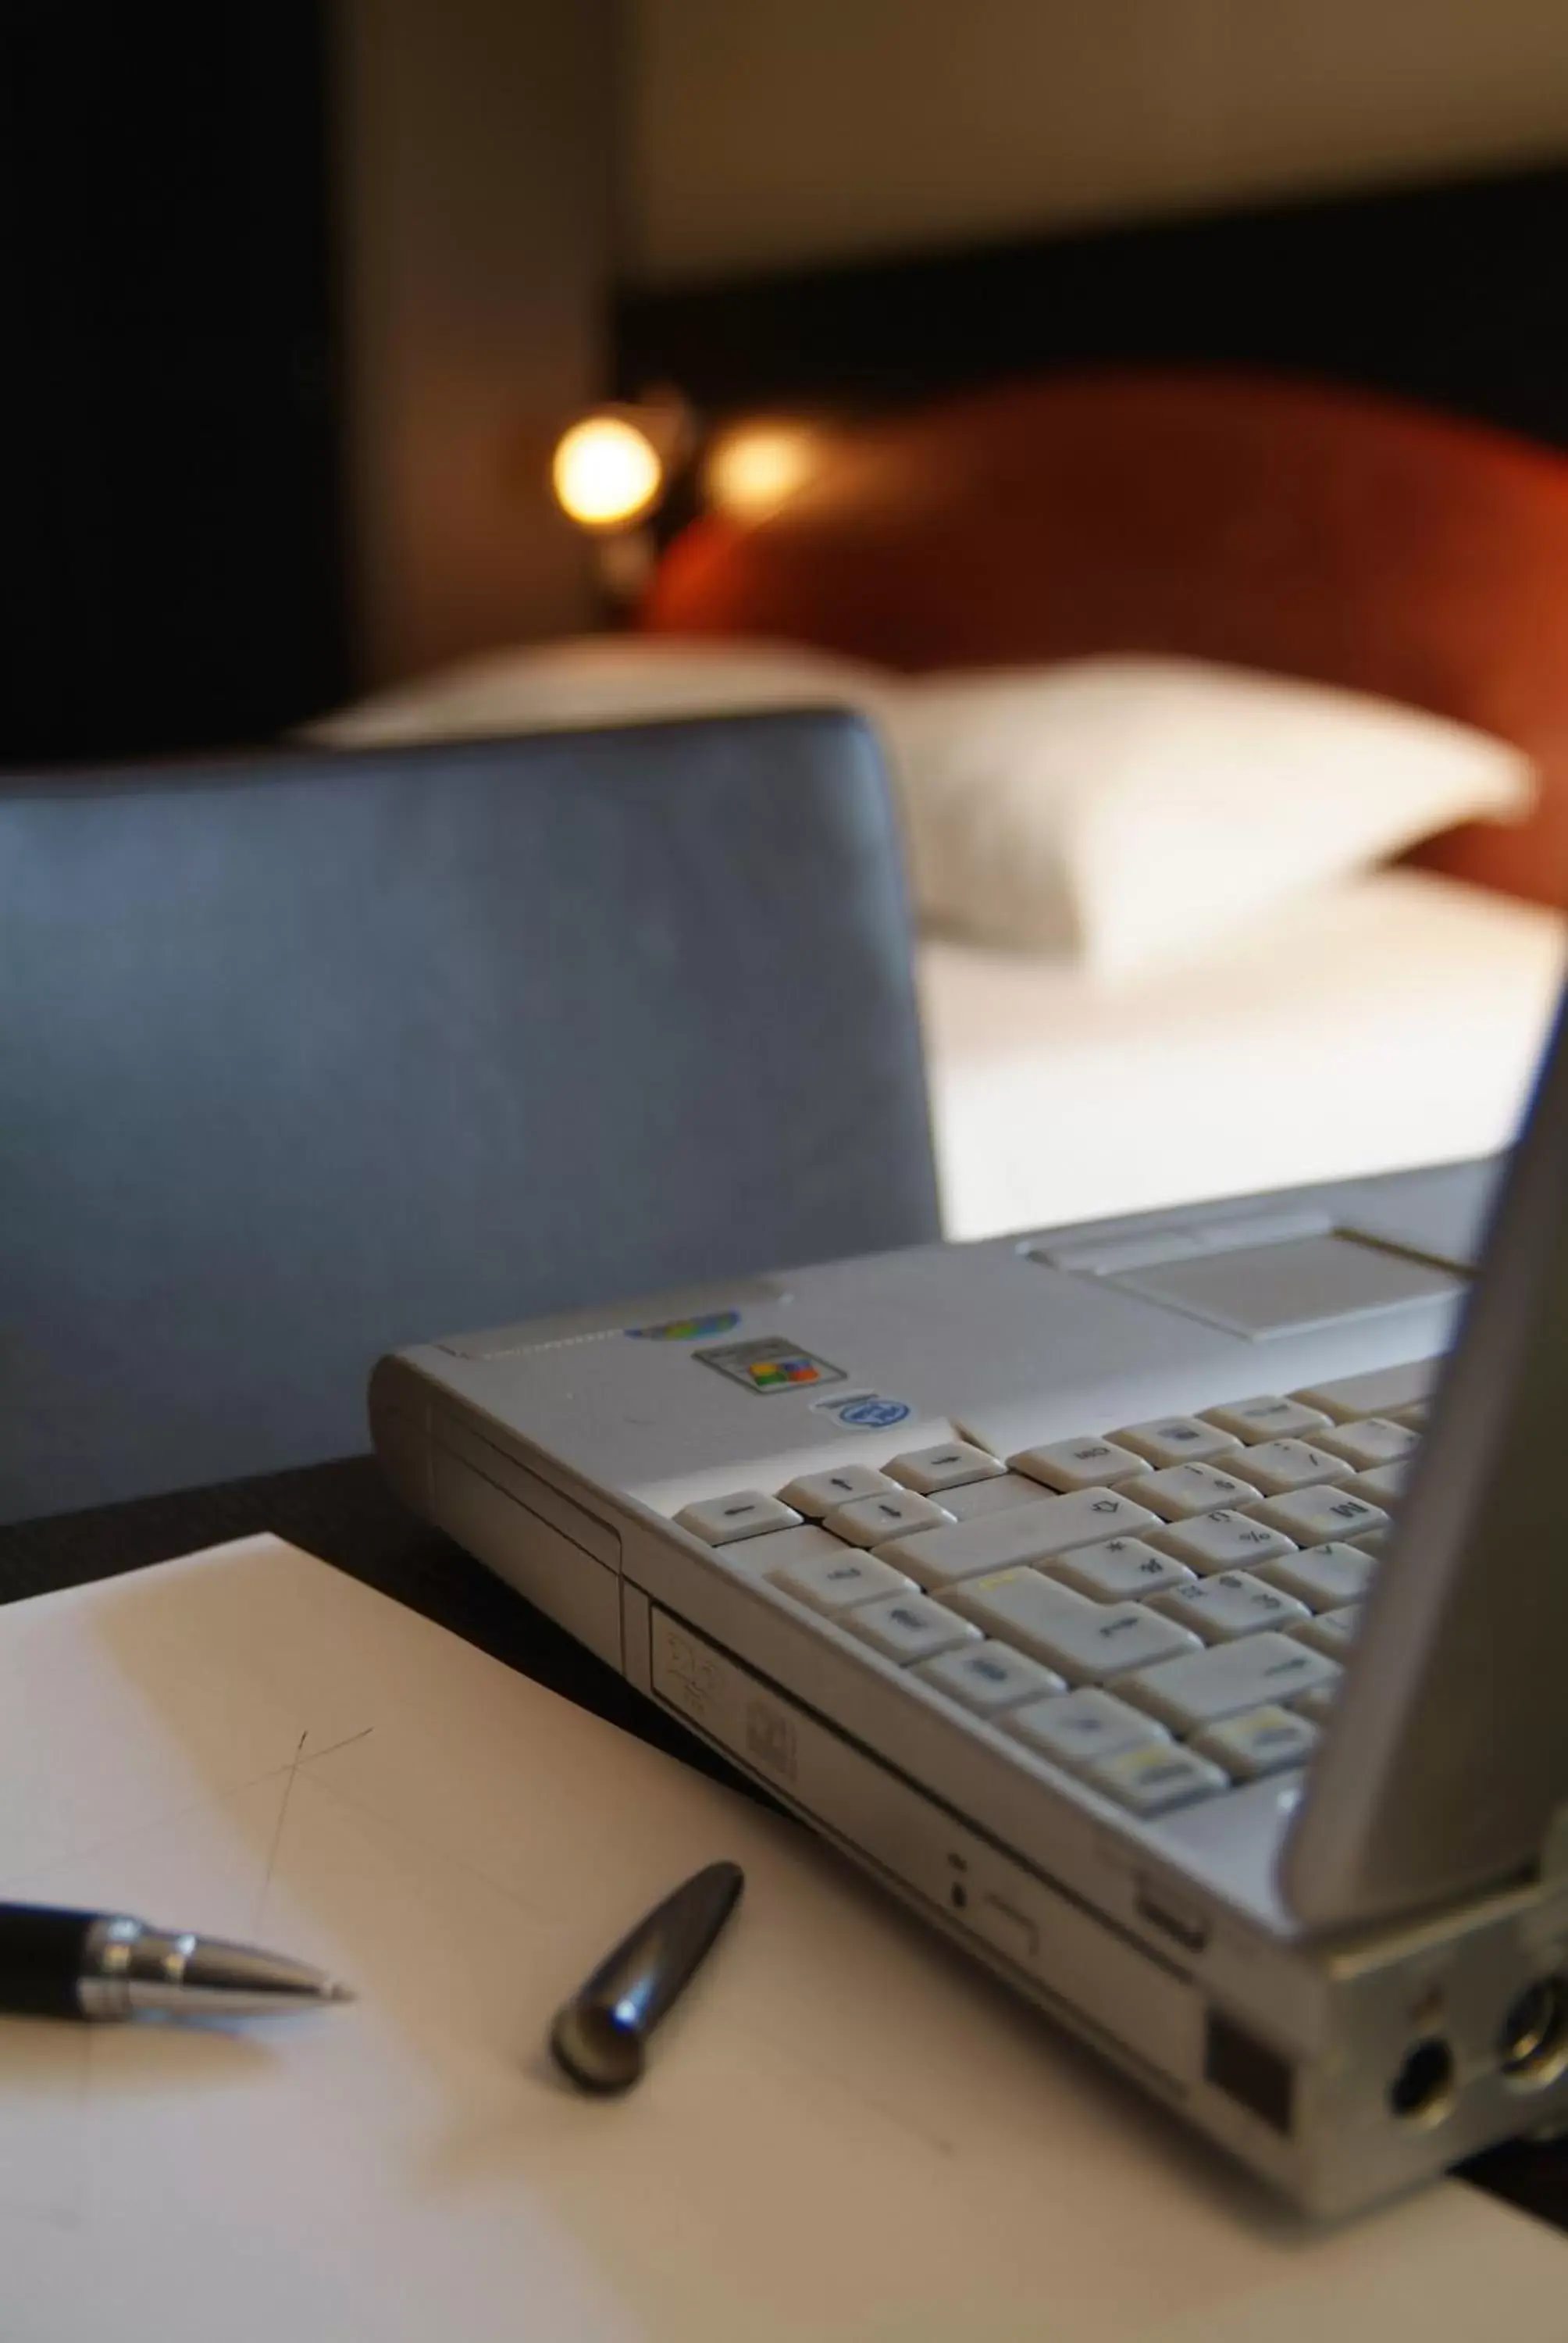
(1280, 1289)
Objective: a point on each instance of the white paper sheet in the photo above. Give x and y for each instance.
(846, 2131)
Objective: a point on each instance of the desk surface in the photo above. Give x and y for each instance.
(344, 1513)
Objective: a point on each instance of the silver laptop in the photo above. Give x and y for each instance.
(1144, 1603)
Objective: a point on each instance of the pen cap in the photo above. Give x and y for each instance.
(600, 2036)
(597, 2047)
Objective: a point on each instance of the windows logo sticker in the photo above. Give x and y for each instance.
(770, 1365)
(687, 1330)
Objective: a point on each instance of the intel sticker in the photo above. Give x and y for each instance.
(865, 1410)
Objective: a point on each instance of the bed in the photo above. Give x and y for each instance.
(1390, 1017)
(1390, 1021)
(1324, 440)
(1324, 443)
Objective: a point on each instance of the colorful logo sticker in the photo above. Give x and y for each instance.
(770, 1365)
(687, 1330)
(865, 1410)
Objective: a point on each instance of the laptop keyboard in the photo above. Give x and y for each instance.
(1164, 1610)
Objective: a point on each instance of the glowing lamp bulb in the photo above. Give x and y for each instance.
(605, 472)
(755, 467)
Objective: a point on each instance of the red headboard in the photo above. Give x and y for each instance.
(1310, 531)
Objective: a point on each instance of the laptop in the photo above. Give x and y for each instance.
(1173, 1611)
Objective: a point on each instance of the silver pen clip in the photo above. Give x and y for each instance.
(601, 2037)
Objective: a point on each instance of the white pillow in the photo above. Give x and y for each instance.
(1115, 810)
(1124, 809)
(604, 680)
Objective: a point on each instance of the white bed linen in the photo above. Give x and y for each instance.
(1390, 1021)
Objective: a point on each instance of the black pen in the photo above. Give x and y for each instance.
(102, 1965)
(601, 2037)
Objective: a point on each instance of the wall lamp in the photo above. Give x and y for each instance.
(630, 475)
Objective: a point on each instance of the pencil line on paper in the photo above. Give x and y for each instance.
(48, 2217)
(42, 2139)
(33, 1873)
(272, 1852)
(333, 1747)
(536, 1906)
(84, 2106)
(824, 2071)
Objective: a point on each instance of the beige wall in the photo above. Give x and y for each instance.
(763, 133)
(479, 139)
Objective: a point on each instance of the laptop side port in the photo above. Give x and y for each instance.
(1249, 2071)
(1183, 1922)
(1423, 2088)
(1533, 2040)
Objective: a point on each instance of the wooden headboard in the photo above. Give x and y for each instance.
(1271, 438)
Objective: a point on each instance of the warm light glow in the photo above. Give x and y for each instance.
(753, 467)
(605, 472)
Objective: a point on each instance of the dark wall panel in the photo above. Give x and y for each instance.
(170, 467)
(1444, 293)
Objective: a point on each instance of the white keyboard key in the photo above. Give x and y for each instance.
(953, 1464)
(1222, 1541)
(910, 1628)
(816, 1493)
(1318, 1704)
(1385, 1484)
(1374, 1542)
(1119, 1568)
(1332, 1632)
(1002, 1495)
(1182, 1490)
(989, 1677)
(1085, 1728)
(1176, 1440)
(1084, 1642)
(939, 1558)
(1321, 1516)
(760, 1557)
(1151, 1780)
(1267, 1417)
(1260, 1741)
(1373, 1440)
(1377, 1394)
(745, 1512)
(838, 1580)
(891, 1514)
(1084, 1463)
(1205, 1686)
(1281, 1465)
(1229, 1604)
(1321, 1576)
